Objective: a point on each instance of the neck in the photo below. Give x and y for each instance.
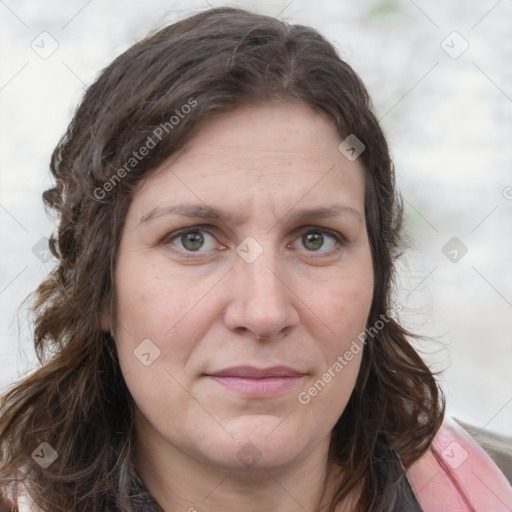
(178, 482)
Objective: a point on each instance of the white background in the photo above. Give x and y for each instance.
(448, 121)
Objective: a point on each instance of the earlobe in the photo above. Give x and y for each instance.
(104, 322)
(105, 319)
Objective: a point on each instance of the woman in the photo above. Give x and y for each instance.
(218, 333)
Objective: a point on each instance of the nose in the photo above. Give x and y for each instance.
(262, 302)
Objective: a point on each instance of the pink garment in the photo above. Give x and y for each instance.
(25, 504)
(456, 475)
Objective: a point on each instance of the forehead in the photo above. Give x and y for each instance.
(280, 132)
(274, 154)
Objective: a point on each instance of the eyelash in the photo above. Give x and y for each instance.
(338, 237)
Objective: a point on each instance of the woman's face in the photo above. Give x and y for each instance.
(244, 277)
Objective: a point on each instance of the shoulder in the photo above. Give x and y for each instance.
(23, 504)
(456, 471)
(498, 447)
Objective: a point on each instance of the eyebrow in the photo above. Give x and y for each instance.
(209, 212)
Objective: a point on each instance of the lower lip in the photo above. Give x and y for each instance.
(257, 388)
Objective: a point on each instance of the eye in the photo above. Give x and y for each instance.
(197, 240)
(320, 240)
(191, 240)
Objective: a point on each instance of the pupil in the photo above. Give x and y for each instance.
(313, 241)
(192, 241)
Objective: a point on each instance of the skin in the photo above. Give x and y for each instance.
(299, 304)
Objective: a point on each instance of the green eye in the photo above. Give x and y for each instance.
(192, 241)
(313, 241)
(198, 240)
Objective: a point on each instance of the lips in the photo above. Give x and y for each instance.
(253, 382)
(251, 372)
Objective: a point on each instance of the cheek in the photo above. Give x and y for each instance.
(343, 305)
(154, 302)
(339, 307)
(348, 311)
(157, 329)
(153, 330)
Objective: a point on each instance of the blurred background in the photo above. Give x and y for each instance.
(441, 87)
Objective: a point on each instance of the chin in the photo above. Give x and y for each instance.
(262, 442)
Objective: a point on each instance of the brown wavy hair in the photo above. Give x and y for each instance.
(77, 400)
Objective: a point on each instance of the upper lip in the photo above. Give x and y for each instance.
(251, 372)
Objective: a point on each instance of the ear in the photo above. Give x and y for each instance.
(104, 320)
(105, 316)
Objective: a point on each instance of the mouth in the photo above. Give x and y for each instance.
(257, 382)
